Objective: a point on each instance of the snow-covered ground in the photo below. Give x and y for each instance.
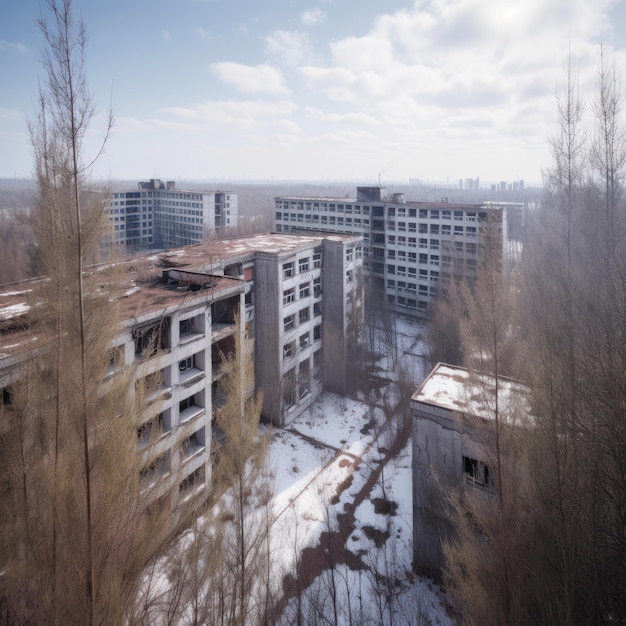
(309, 477)
(323, 464)
(341, 511)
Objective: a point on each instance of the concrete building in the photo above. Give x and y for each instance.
(157, 215)
(179, 311)
(454, 449)
(410, 248)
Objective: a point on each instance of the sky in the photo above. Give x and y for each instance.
(332, 90)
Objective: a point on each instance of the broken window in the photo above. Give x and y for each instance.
(151, 338)
(477, 473)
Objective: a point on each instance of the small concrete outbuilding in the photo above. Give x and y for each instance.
(453, 414)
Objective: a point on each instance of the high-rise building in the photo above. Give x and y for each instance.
(410, 248)
(296, 296)
(157, 215)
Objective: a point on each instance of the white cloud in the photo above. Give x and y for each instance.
(311, 17)
(291, 47)
(251, 78)
(355, 117)
(242, 114)
(13, 45)
(204, 34)
(166, 35)
(11, 115)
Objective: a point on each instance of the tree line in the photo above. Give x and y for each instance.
(551, 546)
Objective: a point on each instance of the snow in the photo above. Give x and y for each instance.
(335, 478)
(308, 475)
(457, 389)
(14, 310)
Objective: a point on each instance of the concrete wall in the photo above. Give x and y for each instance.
(440, 441)
(268, 327)
(334, 312)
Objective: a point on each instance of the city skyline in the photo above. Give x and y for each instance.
(329, 90)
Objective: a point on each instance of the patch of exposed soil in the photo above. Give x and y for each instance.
(384, 507)
(376, 535)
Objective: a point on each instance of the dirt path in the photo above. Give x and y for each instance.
(331, 549)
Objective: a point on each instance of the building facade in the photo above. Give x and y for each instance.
(410, 248)
(179, 315)
(453, 439)
(157, 215)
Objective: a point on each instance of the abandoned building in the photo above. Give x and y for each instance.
(295, 296)
(453, 414)
(410, 248)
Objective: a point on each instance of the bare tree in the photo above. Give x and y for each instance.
(77, 530)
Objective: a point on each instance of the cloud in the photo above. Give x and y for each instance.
(291, 47)
(166, 35)
(204, 34)
(313, 16)
(251, 78)
(15, 46)
(242, 114)
(11, 115)
(354, 117)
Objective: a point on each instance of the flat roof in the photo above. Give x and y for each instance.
(431, 204)
(217, 252)
(459, 390)
(140, 289)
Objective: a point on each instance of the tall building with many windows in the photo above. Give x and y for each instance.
(295, 295)
(157, 215)
(410, 248)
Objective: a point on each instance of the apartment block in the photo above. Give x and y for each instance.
(410, 248)
(294, 295)
(157, 215)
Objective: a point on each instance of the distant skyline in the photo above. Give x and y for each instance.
(329, 90)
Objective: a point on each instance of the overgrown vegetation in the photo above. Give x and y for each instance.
(550, 547)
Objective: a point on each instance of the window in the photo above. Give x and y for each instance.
(304, 379)
(317, 287)
(434, 229)
(190, 407)
(7, 396)
(317, 259)
(304, 341)
(305, 290)
(349, 276)
(317, 332)
(152, 429)
(186, 364)
(317, 309)
(477, 474)
(289, 295)
(155, 470)
(303, 265)
(303, 315)
(289, 388)
(192, 482)
(152, 337)
(287, 270)
(289, 350)
(289, 323)
(194, 443)
(349, 255)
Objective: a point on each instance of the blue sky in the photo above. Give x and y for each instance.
(333, 89)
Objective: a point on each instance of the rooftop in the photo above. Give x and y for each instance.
(471, 394)
(431, 204)
(196, 273)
